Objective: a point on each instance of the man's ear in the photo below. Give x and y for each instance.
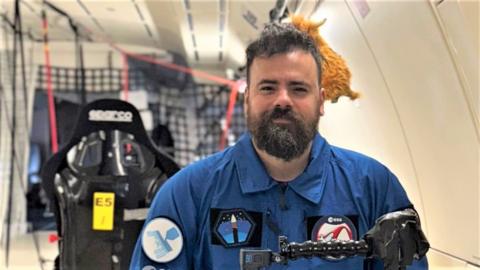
(247, 93)
(322, 101)
(245, 100)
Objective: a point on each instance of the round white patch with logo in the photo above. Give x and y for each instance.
(162, 240)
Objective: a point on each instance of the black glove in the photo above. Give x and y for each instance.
(397, 239)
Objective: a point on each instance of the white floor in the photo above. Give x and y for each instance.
(439, 261)
(25, 256)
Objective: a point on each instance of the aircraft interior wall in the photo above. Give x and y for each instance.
(418, 113)
(414, 116)
(21, 113)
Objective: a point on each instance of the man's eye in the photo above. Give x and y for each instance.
(300, 89)
(266, 88)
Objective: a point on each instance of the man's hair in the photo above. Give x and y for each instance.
(279, 38)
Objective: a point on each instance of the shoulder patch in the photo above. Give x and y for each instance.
(162, 240)
(151, 267)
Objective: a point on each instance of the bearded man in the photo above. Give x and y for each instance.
(280, 178)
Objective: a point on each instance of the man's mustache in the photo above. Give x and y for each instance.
(282, 113)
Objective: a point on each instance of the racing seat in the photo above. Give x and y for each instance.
(100, 185)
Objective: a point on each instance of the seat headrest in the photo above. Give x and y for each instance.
(106, 115)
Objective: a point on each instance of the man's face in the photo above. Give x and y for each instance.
(283, 103)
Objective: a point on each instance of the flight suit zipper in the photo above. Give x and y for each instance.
(271, 224)
(282, 188)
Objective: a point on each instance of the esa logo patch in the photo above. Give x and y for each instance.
(162, 240)
(236, 227)
(333, 227)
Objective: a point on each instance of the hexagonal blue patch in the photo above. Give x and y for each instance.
(234, 227)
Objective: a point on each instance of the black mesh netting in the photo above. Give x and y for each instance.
(191, 114)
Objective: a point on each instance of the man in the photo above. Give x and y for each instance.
(281, 178)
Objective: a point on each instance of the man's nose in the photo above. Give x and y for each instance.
(283, 98)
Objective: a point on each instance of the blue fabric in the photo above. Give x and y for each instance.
(335, 182)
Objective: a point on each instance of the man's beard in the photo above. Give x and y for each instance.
(285, 141)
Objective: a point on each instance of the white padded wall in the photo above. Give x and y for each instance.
(413, 116)
(370, 125)
(461, 22)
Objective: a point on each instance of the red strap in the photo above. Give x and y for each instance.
(125, 76)
(51, 103)
(228, 116)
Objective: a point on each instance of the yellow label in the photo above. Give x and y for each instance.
(103, 206)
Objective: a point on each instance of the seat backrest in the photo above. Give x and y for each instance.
(101, 183)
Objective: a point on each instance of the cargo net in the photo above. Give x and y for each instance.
(68, 80)
(187, 118)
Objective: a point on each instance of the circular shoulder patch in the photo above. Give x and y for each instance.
(162, 240)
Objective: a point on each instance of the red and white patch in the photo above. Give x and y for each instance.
(334, 227)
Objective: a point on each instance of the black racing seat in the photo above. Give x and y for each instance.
(101, 184)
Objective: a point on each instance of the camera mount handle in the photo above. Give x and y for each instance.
(396, 239)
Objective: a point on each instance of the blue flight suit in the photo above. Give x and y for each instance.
(336, 182)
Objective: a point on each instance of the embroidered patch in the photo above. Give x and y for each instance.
(333, 227)
(162, 240)
(151, 267)
(236, 227)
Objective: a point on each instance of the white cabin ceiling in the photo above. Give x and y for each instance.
(210, 34)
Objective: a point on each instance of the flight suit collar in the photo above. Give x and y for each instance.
(254, 177)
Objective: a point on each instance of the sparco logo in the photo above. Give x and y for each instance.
(112, 116)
